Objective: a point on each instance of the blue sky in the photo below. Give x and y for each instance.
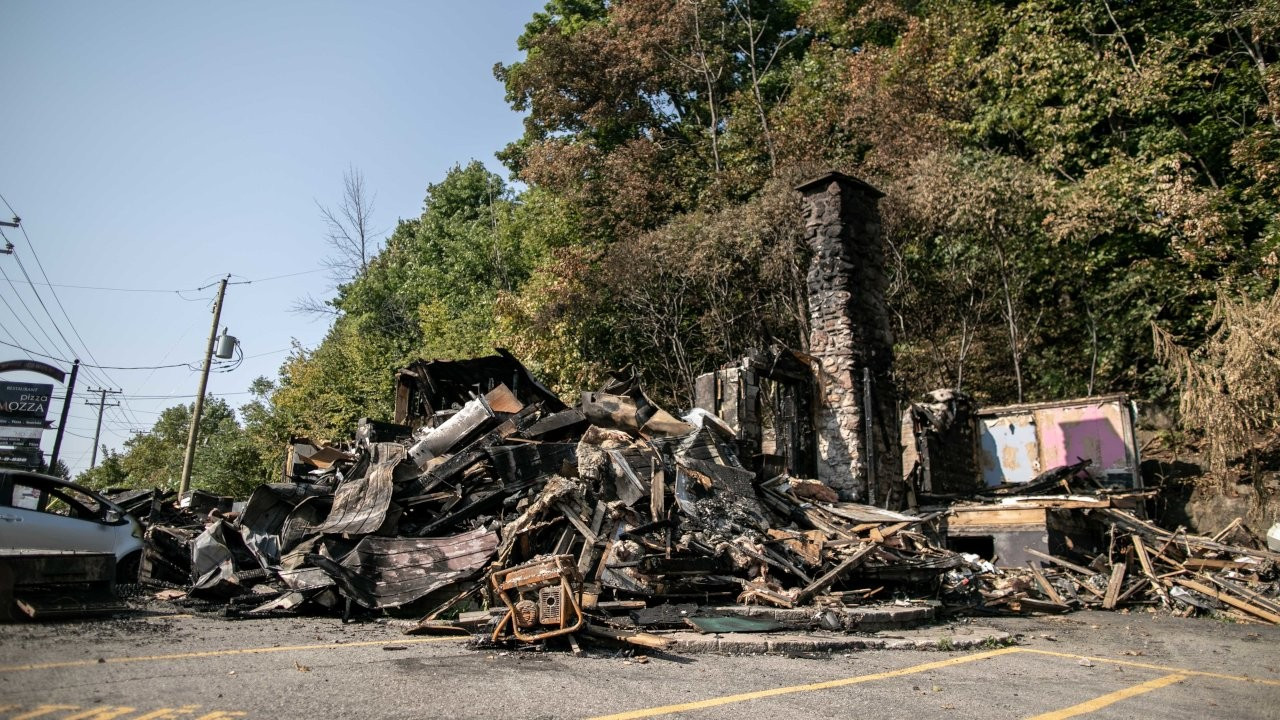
(161, 145)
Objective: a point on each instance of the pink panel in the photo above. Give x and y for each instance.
(1088, 431)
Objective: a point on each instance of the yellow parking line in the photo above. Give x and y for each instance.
(1148, 666)
(743, 697)
(1111, 698)
(218, 653)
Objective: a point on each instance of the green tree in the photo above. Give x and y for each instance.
(223, 462)
(58, 468)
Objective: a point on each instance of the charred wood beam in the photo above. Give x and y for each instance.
(469, 455)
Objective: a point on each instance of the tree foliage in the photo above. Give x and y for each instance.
(1059, 176)
(225, 460)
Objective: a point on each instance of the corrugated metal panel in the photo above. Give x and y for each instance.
(389, 572)
(360, 505)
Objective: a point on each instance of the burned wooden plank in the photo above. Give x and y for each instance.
(1064, 563)
(1229, 599)
(633, 472)
(1114, 586)
(1041, 606)
(528, 461)
(687, 565)
(657, 493)
(576, 520)
(1144, 561)
(839, 571)
(1261, 601)
(556, 424)
(807, 545)
(1050, 591)
(477, 503)
(642, 639)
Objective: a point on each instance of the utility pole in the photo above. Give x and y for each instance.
(189, 457)
(66, 406)
(8, 250)
(102, 405)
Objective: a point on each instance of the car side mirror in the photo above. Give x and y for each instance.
(113, 515)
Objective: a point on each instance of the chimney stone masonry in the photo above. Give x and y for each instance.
(851, 340)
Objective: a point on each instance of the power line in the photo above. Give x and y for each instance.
(273, 277)
(109, 419)
(223, 367)
(35, 254)
(90, 373)
(20, 324)
(269, 352)
(190, 395)
(68, 286)
(161, 291)
(82, 437)
(95, 371)
(78, 458)
(44, 307)
(30, 314)
(149, 412)
(98, 367)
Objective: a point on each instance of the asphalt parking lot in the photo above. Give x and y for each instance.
(167, 667)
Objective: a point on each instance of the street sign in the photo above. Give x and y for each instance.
(24, 404)
(34, 366)
(20, 434)
(30, 458)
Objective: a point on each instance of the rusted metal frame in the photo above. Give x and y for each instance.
(566, 593)
(533, 576)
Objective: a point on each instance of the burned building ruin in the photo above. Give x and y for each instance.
(834, 410)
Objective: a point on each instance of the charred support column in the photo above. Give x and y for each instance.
(856, 416)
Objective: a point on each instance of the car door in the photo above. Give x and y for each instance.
(43, 516)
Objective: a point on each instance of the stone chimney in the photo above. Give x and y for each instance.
(850, 338)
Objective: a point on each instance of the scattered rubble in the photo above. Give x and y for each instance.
(492, 509)
(1148, 566)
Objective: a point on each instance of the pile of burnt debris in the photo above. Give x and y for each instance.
(505, 498)
(502, 511)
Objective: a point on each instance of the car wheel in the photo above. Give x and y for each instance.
(127, 569)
